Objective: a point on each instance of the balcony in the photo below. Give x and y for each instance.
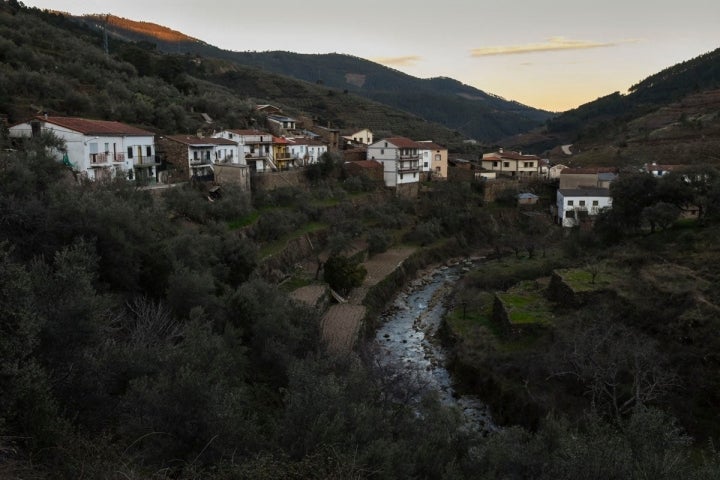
(196, 162)
(104, 159)
(147, 161)
(408, 167)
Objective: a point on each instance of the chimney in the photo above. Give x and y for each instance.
(501, 150)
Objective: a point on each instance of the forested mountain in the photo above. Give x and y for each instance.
(679, 106)
(460, 107)
(53, 64)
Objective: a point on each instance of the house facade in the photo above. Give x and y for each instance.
(191, 158)
(400, 158)
(281, 153)
(361, 137)
(98, 149)
(280, 124)
(576, 205)
(513, 164)
(657, 170)
(433, 160)
(255, 147)
(306, 151)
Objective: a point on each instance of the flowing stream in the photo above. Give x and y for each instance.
(408, 345)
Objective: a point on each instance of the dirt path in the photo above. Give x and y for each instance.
(341, 323)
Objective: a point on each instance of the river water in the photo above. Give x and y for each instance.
(410, 350)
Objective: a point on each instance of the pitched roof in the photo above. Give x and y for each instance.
(429, 145)
(366, 163)
(584, 192)
(194, 140)
(312, 142)
(403, 142)
(95, 127)
(251, 131)
(587, 170)
(510, 155)
(527, 195)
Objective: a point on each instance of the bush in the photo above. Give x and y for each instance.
(378, 241)
(343, 274)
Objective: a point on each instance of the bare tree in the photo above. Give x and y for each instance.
(620, 368)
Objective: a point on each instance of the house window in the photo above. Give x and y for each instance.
(506, 164)
(385, 144)
(107, 148)
(130, 152)
(195, 155)
(438, 157)
(401, 176)
(495, 164)
(230, 135)
(595, 203)
(148, 151)
(582, 203)
(382, 151)
(425, 164)
(571, 203)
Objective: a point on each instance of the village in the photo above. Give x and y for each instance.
(103, 150)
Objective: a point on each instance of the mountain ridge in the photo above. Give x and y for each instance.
(458, 106)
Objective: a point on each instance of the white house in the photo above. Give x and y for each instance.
(658, 170)
(98, 149)
(364, 137)
(255, 147)
(514, 164)
(575, 204)
(306, 151)
(400, 159)
(280, 124)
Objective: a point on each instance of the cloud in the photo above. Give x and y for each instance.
(405, 61)
(552, 44)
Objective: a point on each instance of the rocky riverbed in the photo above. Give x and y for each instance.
(408, 347)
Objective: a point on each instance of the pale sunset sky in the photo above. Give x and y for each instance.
(553, 54)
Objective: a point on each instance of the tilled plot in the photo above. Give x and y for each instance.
(340, 326)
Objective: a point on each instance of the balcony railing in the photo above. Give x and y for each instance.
(102, 159)
(199, 161)
(147, 160)
(408, 167)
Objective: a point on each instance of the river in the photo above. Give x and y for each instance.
(409, 348)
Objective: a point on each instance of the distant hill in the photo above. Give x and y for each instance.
(670, 117)
(460, 107)
(53, 63)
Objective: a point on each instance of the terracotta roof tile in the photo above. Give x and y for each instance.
(95, 127)
(193, 140)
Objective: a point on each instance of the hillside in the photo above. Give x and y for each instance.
(460, 107)
(670, 117)
(53, 64)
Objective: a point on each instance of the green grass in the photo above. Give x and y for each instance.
(526, 308)
(463, 320)
(244, 221)
(581, 279)
(295, 282)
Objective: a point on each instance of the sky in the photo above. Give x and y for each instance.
(551, 54)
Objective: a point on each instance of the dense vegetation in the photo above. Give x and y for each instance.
(141, 339)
